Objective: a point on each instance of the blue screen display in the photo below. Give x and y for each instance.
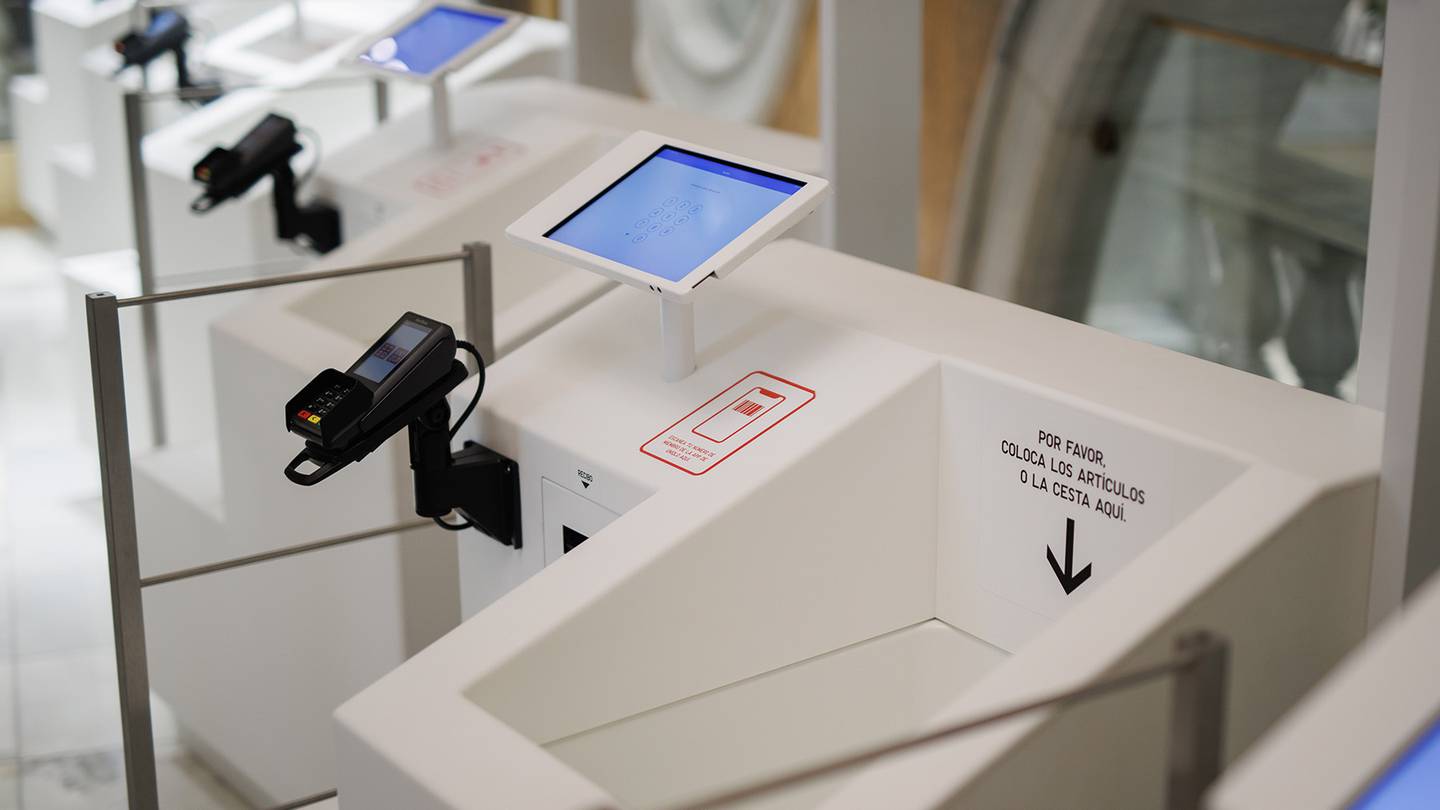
(1413, 782)
(673, 212)
(395, 348)
(429, 42)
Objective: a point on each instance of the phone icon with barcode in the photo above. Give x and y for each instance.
(739, 414)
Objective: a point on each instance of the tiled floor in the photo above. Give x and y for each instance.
(59, 711)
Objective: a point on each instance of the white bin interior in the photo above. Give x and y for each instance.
(847, 620)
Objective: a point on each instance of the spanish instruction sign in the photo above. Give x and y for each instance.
(728, 422)
(1068, 496)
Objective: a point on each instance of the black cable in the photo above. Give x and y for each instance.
(315, 146)
(465, 414)
(479, 385)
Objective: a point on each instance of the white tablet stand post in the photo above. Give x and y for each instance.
(298, 30)
(677, 339)
(440, 133)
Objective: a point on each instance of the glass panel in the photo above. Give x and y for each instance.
(1204, 187)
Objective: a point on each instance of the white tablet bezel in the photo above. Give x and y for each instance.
(459, 60)
(615, 166)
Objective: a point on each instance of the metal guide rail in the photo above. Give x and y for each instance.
(102, 315)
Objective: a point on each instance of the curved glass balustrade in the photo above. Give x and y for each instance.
(1202, 184)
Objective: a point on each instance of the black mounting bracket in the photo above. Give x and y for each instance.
(479, 483)
(317, 223)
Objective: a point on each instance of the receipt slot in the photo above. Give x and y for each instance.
(401, 382)
(666, 216)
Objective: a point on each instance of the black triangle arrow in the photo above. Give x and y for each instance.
(1070, 579)
(585, 484)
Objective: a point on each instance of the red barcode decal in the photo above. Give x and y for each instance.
(727, 422)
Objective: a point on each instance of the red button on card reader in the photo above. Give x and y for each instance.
(303, 414)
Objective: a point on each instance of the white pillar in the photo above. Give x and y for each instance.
(677, 339)
(602, 44)
(870, 94)
(1400, 338)
(441, 128)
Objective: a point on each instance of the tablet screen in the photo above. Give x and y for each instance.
(674, 211)
(432, 40)
(1412, 782)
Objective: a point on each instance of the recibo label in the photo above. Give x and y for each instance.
(586, 479)
(728, 422)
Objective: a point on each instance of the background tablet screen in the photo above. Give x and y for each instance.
(673, 211)
(1412, 782)
(425, 45)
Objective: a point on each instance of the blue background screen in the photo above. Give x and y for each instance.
(428, 43)
(396, 348)
(1411, 783)
(673, 212)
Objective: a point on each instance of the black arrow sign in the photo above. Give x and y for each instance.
(1070, 579)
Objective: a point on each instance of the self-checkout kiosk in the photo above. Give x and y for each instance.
(367, 166)
(847, 525)
(1367, 738)
(90, 178)
(50, 107)
(346, 617)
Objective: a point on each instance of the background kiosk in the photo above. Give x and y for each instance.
(1367, 738)
(436, 40)
(837, 531)
(242, 235)
(51, 107)
(81, 169)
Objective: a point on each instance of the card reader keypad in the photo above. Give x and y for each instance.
(323, 403)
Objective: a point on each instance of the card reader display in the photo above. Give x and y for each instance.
(432, 40)
(674, 211)
(393, 350)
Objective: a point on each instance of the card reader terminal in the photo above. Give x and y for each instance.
(337, 408)
(402, 381)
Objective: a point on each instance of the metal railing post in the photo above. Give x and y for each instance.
(479, 280)
(107, 375)
(382, 101)
(117, 484)
(1197, 720)
(144, 258)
